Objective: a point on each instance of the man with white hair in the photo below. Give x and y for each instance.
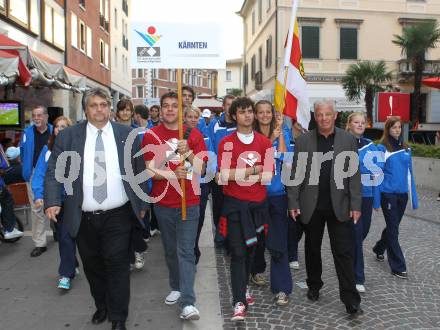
(333, 198)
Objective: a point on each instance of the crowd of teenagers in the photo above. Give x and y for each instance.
(255, 212)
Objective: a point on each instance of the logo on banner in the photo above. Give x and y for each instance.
(149, 53)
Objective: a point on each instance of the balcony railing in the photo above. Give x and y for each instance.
(259, 80)
(432, 68)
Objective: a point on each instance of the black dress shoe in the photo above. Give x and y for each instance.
(118, 325)
(99, 316)
(353, 309)
(38, 251)
(313, 295)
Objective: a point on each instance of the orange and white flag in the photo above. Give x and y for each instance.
(290, 96)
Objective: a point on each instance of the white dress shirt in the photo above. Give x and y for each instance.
(116, 195)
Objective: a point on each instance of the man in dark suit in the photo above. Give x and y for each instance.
(329, 192)
(99, 203)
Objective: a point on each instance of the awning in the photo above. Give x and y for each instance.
(432, 82)
(44, 70)
(12, 69)
(211, 104)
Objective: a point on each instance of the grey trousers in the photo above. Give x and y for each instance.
(38, 220)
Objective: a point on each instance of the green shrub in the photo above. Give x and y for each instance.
(423, 150)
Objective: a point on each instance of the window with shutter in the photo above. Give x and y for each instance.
(310, 41)
(253, 67)
(245, 74)
(348, 43)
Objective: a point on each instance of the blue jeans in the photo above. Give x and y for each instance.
(67, 249)
(393, 207)
(360, 232)
(178, 239)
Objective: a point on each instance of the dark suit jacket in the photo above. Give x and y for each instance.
(305, 196)
(73, 139)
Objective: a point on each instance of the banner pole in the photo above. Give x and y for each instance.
(182, 181)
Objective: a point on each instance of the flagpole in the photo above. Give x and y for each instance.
(180, 118)
(288, 50)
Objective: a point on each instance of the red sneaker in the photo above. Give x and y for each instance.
(239, 312)
(249, 298)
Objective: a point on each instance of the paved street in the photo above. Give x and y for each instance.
(30, 300)
(389, 303)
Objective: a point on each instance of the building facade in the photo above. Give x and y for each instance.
(38, 25)
(149, 85)
(120, 49)
(230, 80)
(333, 34)
(88, 41)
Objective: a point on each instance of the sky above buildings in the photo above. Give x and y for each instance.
(190, 11)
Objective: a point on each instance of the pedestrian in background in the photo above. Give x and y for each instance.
(219, 128)
(324, 203)
(154, 116)
(66, 244)
(125, 113)
(13, 174)
(356, 123)
(191, 117)
(270, 124)
(34, 138)
(398, 182)
(8, 218)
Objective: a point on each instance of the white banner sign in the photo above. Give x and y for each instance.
(177, 45)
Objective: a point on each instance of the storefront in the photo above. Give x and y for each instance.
(29, 78)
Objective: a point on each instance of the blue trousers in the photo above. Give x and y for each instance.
(280, 276)
(393, 207)
(178, 239)
(360, 232)
(67, 249)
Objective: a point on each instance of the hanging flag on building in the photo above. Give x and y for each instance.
(290, 96)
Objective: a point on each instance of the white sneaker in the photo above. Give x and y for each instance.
(172, 298)
(139, 260)
(190, 313)
(239, 312)
(294, 265)
(15, 233)
(154, 232)
(77, 271)
(360, 288)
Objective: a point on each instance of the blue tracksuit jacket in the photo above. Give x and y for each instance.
(398, 174)
(27, 146)
(276, 187)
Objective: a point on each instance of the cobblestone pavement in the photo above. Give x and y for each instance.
(429, 207)
(389, 303)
